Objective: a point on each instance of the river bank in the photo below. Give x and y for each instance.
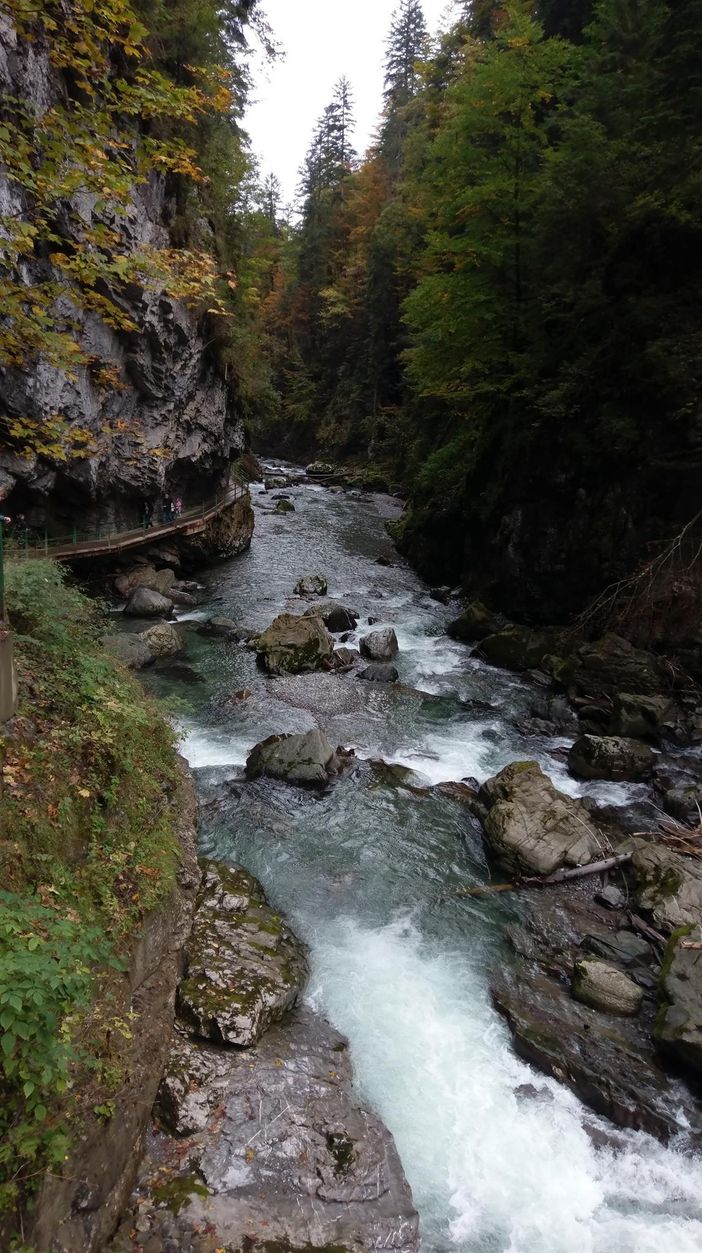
(360, 871)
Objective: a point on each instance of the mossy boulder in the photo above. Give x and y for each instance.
(612, 757)
(293, 645)
(244, 966)
(679, 1024)
(668, 887)
(531, 827)
(605, 987)
(311, 585)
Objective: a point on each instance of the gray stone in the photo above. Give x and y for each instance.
(285, 506)
(130, 650)
(624, 948)
(143, 603)
(532, 827)
(379, 672)
(611, 897)
(307, 758)
(379, 645)
(244, 967)
(605, 987)
(162, 640)
(610, 757)
(292, 645)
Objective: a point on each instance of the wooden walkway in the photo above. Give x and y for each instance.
(72, 548)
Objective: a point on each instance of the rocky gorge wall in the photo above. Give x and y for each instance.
(161, 419)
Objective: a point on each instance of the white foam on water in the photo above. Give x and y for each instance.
(514, 1173)
(208, 748)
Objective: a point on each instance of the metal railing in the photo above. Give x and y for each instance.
(30, 543)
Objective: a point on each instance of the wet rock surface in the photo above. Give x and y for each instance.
(610, 1061)
(244, 967)
(264, 1147)
(280, 1155)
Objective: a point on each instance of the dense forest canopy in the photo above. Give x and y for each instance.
(499, 301)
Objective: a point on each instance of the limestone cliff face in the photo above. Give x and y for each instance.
(169, 425)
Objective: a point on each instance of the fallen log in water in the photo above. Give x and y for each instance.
(559, 876)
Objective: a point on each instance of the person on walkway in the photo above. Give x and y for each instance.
(178, 506)
(148, 515)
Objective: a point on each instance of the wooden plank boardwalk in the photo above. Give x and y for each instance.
(191, 521)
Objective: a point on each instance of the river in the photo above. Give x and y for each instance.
(361, 872)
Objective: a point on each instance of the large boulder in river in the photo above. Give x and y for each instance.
(335, 616)
(307, 758)
(476, 623)
(679, 1024)
(531, 827)
(380, 645)
(292, 645)
(610, 757)
(162, 640)
(144, 603)
(311, 585)
(646, 717)
(244, 967)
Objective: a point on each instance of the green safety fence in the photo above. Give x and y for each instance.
(33, 543)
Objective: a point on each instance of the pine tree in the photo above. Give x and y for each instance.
(406, 49)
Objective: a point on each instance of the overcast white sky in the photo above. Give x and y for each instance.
(322, 40)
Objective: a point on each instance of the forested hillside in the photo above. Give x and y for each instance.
(498, 305)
